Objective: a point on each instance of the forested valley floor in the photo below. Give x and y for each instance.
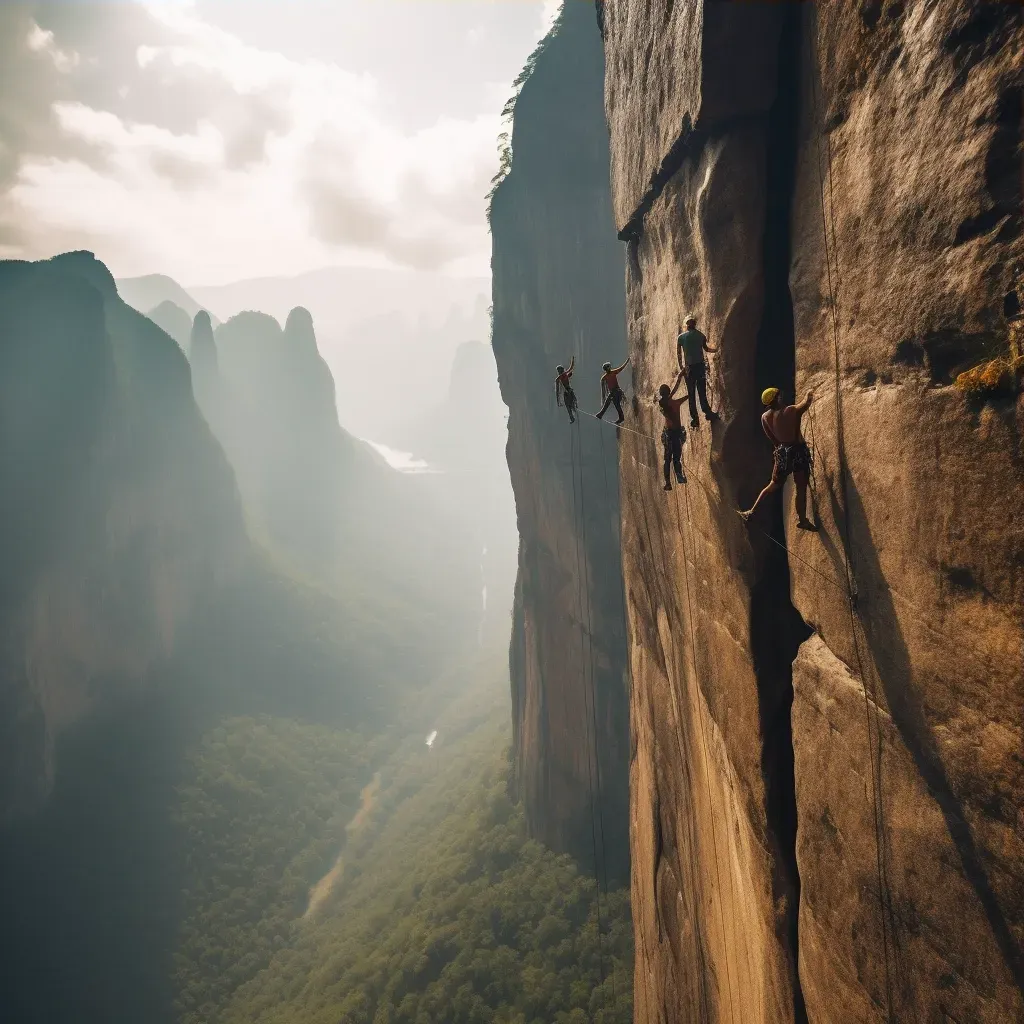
(334, 878)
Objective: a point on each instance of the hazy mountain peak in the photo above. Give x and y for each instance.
(86, 265)
(202, 348)
(151, 290)
(299, 332)
(174, 320)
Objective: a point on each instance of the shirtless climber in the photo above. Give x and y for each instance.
(564, 393)
(610, 390)
(690, 348)
(781, 424)
(673, 436)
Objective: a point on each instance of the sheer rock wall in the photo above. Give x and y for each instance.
(558, 292)
(853, 852)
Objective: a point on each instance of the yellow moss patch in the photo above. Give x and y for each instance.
(996, 376)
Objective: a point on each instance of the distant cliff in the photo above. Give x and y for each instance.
(827, 777)
(136, 612)
(119, 509)
(322, 500)
(558, 293)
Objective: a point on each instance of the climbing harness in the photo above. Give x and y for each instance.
(792, 458)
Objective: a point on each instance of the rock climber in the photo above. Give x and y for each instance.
(673, 436)
(610, 390)
(690, 348)
(564, 393)
(781, 424)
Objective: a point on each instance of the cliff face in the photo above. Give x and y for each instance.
(119, 509)
(557, 292)
(827, 770)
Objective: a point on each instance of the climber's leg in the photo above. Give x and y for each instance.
(691, 396)
(607, 402)
(672, 442)
(773, 485)
(617, 396)
(700, 382)
(800, 480)
(672, 447)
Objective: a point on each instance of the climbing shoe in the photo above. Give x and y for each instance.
(681, 477)
(695, 424)
(806, 524)
(668, 486)
(712, 417)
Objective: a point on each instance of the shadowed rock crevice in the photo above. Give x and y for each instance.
(776, 628)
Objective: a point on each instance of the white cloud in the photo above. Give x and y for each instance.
(41, 41)
(284, 165)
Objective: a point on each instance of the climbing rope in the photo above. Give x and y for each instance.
(870, 697)
(686, 760)
(593, 687)
(586, 718)
(703, 738)
(828, 579)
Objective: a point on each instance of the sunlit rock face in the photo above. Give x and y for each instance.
(825, 800)
(558, 291)
(119, 511)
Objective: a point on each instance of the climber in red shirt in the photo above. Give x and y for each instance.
(610, 390)
(673, 436)
(781, 424)
(564, 393)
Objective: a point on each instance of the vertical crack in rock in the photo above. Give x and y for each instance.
(777, 629)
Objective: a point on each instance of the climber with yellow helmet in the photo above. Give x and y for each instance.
(781, 424)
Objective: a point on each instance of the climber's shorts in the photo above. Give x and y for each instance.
(792, 458)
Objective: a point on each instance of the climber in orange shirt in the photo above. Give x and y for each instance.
(781, 424)
(673, 436)
(610, 390)
(564, 393)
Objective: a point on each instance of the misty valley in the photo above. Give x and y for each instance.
(237, 626)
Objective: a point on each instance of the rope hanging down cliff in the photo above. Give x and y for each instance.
(593, 686)
(888, 921)
(589, 737)
(703, 739)
(682, 738)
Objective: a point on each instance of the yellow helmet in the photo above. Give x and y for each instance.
(769, 395)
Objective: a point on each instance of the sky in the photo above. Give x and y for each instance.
(216, 140)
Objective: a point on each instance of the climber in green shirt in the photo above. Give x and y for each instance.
(690, 348)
